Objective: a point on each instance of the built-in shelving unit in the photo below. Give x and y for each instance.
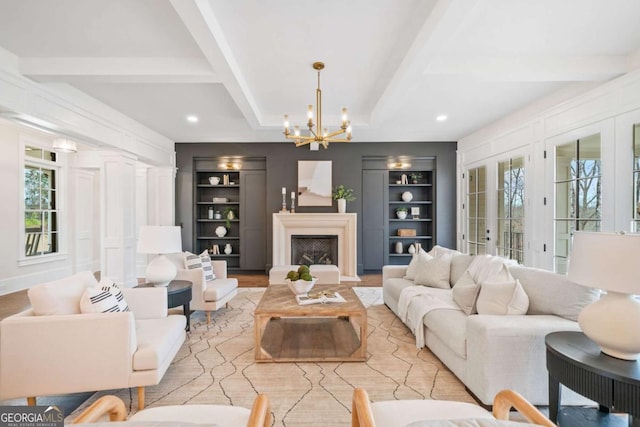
(420, 212)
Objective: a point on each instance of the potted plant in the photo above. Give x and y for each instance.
(229, 214)
(342, 195)
(415, 176)
(401, 212)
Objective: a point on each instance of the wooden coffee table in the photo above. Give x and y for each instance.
(288, 332)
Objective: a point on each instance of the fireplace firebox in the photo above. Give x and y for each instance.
(310, 249)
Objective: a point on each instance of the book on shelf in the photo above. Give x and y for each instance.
(322, 297)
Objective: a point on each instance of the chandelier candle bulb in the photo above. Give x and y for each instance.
(284, 190)
(344, 117)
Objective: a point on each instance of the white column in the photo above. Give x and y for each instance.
(161, 195)
(118, 219)
(86, 209)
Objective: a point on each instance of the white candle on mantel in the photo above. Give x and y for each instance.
(284, 190)
(293, 195)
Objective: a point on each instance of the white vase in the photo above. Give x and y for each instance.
(342, 205)
(401, 214)
(228, 249)
(398, 247)
(221, 231)
(407, 196)
(412, 249)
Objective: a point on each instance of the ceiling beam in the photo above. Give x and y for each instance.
(202, 24)
(514, 68)
(119, 70)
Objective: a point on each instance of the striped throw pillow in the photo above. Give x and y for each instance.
(108, 285)
(96, 300)
(207, 266)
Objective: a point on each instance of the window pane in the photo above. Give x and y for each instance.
(503, 174)
(50, 221)
(565, 154)
(33, 221)
(482, 207)
(31, 188)
(473, 178)
(564, 230)
(472, 211)
(482, 179)
(589, 225)
(473, 231)
(589, 198)
(47, 179)
(34, 152)
(503, 205)
(503, 233)
(565, 200)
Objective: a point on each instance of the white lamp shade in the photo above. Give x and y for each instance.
(605, 261)
(157, 239)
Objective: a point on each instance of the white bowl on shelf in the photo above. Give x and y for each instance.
(214, 180)
(300, 287)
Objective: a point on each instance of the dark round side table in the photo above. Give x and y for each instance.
(178, 294)
(577, 362)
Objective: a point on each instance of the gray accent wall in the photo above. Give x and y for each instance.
(282, 170)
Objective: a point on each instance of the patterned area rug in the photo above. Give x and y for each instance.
(215, 365)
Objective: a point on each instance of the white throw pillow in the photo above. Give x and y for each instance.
(437, 251)
(465, 293)
(207, 266)
(433, 272)
(410, 274)
(109, 285)
(502, 298)
(61, 296)
(96, 300)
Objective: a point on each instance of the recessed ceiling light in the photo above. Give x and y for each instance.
(441, 118)
(192, 119)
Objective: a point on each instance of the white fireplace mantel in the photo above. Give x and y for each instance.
(286, 225)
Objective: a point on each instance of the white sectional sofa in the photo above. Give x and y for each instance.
(489, 352)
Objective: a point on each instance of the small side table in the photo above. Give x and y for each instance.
(577, 362)
(178, 294)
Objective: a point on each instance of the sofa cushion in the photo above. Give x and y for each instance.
(219, 288)
(459, 264)
(438, 251)
(395, 285)
(60, 296)
(465, 293)
(156, 338)
(433, 272)
(502, 298)
(552, 293)
(451, 327)
(410, 274)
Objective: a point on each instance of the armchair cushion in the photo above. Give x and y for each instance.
(219, 288)
(60, 296)
(192, 261)
(109, 285)
(156, 337)
(95, 300)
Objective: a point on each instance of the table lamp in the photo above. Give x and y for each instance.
(607, 261)
(160, 240)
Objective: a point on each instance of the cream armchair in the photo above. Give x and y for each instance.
(44, 355)
(209, 295)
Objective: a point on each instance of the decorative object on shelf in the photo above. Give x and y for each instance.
(415, 212)
(293, 202)
(406, 232)
(407, 196)
(418, 246)
(404, 179)
(228, 249)
(220, 200)
(221, 231)
(64, 145)
(284, 200)
(415, 176)
(607, 261)
(217, 215)
(214, 180)
(399, 182)
(210, 212)
(160, 240)
(399, 247)
(320, 136)
(401, 212)
(342, 195)
(225, 179)
(215, 250)
(412, 249)
(229, 215)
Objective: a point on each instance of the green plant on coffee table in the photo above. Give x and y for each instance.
(340, 192)
(302, 273)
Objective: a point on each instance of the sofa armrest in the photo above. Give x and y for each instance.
(393, 271)
(58, 354)
(147, 303)
(498, 347)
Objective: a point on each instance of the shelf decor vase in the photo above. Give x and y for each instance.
(221, 231)
(228, 249)
(412, 249)
(342, 205)
(401, 214)
(398, 247)
(407, 196)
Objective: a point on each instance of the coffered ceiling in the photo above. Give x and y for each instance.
(239, 65)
